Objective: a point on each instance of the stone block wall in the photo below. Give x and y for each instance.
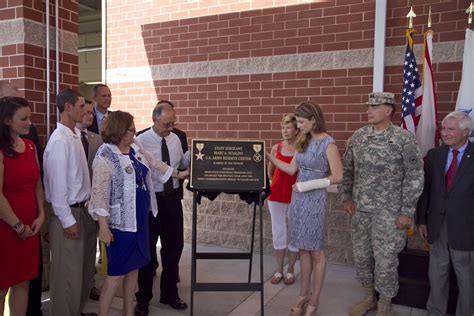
(227, 222)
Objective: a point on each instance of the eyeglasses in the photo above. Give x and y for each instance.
(169, 125)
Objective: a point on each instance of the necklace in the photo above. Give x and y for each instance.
(139, 173)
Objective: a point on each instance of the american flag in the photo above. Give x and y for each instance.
(412, 90)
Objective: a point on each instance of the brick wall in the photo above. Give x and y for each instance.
(248, 98)
(233, 73)
(23, 53)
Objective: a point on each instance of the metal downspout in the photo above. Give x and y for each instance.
(104, 41)
(48, 70)
(379, 45)
(56, 19)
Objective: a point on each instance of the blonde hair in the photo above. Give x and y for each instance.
(309, 111)
(289, 119)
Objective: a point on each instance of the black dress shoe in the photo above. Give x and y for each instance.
(141, 309)
(175, 304)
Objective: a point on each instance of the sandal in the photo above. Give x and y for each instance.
(311, 310)
(301, 305)
(276, 278)
(289, 278)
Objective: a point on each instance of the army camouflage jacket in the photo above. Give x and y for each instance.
(383, 171)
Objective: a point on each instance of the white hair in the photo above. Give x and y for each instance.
(463, 119)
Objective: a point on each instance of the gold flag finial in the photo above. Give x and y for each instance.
(410, 17)
(429, 18)
(470, 10)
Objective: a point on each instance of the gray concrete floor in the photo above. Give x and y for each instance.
(339, 292)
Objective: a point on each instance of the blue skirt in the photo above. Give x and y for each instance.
(130, 250)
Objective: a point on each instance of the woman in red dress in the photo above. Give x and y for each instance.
(21, 205)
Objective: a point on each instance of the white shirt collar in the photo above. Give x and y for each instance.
(66, 130)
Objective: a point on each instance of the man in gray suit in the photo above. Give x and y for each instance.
(445, 214)
(91, 142)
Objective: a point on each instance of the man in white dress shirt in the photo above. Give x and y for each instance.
(72, 232)
(161, 143)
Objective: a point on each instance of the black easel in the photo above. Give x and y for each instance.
(227, 287)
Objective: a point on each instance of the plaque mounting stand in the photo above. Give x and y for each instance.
(236, 166)
(228, 287)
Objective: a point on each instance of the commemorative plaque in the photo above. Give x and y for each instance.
(228, 165)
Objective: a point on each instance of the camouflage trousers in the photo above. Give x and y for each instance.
(376, 242)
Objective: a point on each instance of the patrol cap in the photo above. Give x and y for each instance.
(376, 98)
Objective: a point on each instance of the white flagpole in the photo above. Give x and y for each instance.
(465, 101)
(426, 130)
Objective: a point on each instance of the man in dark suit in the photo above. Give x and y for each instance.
(445, 214)
(102, 99)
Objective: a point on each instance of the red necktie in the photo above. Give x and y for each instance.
(451, 171)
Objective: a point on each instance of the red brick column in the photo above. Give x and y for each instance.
(23, 51)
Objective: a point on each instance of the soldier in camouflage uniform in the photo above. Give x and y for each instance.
(383, 178)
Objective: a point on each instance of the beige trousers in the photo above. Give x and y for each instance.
(72, 264)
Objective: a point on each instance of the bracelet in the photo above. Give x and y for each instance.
(17, 226)
(22, 231)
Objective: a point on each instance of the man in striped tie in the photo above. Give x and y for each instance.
(445, 214)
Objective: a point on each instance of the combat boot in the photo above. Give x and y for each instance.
(369, 302)
(384, 307)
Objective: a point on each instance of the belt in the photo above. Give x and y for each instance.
(80, 204)
(166, 194)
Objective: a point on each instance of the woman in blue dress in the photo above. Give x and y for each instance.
(318, 164)
(122, 195)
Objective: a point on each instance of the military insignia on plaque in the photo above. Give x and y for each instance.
(199, 155)
(257, 157)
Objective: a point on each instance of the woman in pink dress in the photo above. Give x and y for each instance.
(21, 205)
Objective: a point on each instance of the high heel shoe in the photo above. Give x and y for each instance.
(300, 307)
(311, 310)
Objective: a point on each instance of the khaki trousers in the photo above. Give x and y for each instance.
(72, 264)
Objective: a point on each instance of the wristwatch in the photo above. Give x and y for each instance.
(17, 226)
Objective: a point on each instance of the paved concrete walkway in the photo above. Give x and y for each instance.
(339, 292)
